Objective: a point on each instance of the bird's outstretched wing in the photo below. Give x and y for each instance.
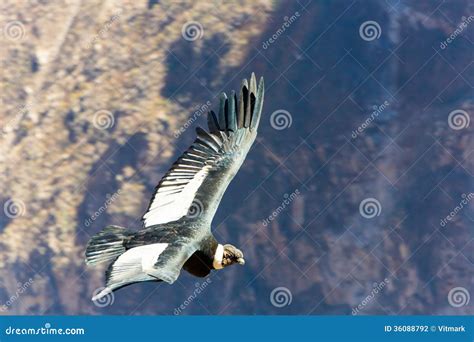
(193, 187)
(152, 262)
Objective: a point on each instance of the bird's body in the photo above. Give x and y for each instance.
(177, 232)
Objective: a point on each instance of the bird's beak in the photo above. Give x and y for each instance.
(241, 261)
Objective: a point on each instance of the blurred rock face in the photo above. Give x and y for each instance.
(356, 198)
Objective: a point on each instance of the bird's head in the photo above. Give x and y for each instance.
(228, 255)
(232, 255)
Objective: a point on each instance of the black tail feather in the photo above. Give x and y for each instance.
(106, 245)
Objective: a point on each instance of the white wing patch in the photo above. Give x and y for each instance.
(150, 256)
(146, 256)
(130, 266)
(134, 261)
(175, 195)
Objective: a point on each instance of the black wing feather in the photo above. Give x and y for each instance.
(222, 112)
(204, 171)
(212, 122)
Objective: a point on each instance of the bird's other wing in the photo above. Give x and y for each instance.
(195, 184)
(153, 262)
(162, 259)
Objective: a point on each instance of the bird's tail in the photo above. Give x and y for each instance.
(106, 245)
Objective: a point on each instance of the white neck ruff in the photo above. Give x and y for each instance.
(218, 256)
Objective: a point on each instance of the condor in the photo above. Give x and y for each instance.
(177, 225)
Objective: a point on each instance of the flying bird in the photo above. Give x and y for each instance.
(173, 238)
